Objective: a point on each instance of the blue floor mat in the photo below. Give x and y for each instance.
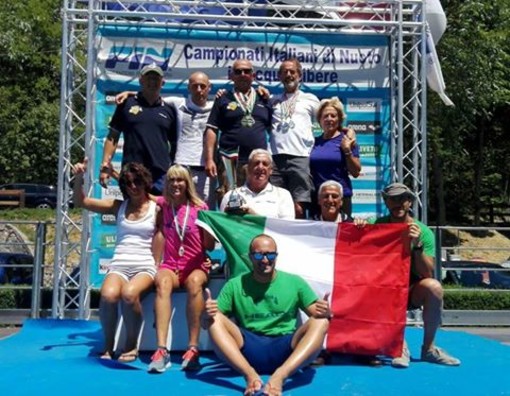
(60, 357)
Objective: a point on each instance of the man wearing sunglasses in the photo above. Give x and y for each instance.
(424, 290)
(265, 338)
(244, 119)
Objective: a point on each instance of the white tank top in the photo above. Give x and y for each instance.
(134, 238)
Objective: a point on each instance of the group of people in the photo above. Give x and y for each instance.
(283, 172)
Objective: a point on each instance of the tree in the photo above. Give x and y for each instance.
(30, 40)
(467, 142)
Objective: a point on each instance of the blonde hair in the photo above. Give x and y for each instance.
(336, 104)
(180, 172)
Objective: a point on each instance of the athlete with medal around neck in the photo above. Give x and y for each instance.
(242, 116)
(291, 138)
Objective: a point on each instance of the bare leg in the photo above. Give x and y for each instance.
(306, 345)
(132, 308)
(166, 281)
(429, 294)
(195, 303)
(228, 341)
(108, 311)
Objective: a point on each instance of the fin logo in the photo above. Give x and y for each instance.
(133, 59)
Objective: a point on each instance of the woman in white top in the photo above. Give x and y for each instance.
(132, 269)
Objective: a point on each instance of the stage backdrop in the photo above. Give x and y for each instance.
(354, 68)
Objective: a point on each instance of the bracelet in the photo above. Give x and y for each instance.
(348, 154)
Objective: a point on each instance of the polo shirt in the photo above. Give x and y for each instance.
(226, 116)
(149, 133)
(272, 201)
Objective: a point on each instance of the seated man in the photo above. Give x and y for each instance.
(330, 202)
(424, 290)
(258, 196)
(265, 304)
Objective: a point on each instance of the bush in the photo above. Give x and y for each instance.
(477, 300)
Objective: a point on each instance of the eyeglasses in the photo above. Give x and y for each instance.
(238, 72)
(400, 198)
(260, 255)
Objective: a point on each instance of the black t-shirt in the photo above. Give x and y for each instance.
(226, 116)
(149, 132)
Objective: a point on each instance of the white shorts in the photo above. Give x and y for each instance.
(129, 272)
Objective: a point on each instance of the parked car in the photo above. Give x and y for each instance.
(477, 274)
(16, 268)
(42, 196)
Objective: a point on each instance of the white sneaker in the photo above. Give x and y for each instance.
(403, 360)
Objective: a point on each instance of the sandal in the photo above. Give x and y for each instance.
(252, 389)
(128, 357)
(106, 355)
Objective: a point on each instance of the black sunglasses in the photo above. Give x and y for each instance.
(238, 72)
(259, 255)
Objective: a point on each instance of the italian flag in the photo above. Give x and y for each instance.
(365, 270)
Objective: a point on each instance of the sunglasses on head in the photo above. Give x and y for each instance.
(259, 255)
(238, 72)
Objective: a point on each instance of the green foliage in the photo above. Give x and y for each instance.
(476, 300)
(30, 40)
(470, 142)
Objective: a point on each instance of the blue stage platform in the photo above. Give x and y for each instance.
(53, 357)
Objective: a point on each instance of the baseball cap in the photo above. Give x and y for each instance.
(397, 190)
(151, 68)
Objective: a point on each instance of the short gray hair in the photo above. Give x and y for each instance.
(260, 151)
(331, 183)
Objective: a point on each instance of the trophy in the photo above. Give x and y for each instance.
(235, 201)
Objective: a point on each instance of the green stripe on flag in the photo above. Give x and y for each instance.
(235, 234)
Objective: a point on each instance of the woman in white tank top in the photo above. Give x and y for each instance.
(132, 269)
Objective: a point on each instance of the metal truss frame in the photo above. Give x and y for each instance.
(402, 21)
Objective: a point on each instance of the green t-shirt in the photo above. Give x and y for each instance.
(426, 237)
(266, 308)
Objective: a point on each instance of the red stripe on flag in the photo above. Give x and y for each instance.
(370, 289)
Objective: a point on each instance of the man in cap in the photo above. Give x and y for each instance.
(148, 125)
(424, 290)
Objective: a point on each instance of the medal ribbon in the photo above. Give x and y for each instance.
(181, 231)
(246, 102)
(288, 106)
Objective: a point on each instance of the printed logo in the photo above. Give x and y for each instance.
(365, 127)
(364, 105)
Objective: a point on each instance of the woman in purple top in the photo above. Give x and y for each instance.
(335, 153)
(183, 265)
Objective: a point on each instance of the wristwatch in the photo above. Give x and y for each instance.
(418, 247)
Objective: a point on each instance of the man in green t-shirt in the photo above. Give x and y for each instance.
(424, 290)
(265, 338)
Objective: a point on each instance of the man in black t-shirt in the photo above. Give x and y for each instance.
(148, 125)
(244, 119)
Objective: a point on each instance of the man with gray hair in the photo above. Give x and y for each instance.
(424, 290)
(258, 196)
(330, 202)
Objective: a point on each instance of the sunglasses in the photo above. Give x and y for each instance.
(238, 72)
(259, 255)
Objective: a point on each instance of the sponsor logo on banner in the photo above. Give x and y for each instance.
(370, 173)
(364, 196)
(112, 192)
(132, 58)
(108, 240)
(364, 105)
(108, 219)
(365, 127)
(369, 150)
(110, 97)
(103, 265)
